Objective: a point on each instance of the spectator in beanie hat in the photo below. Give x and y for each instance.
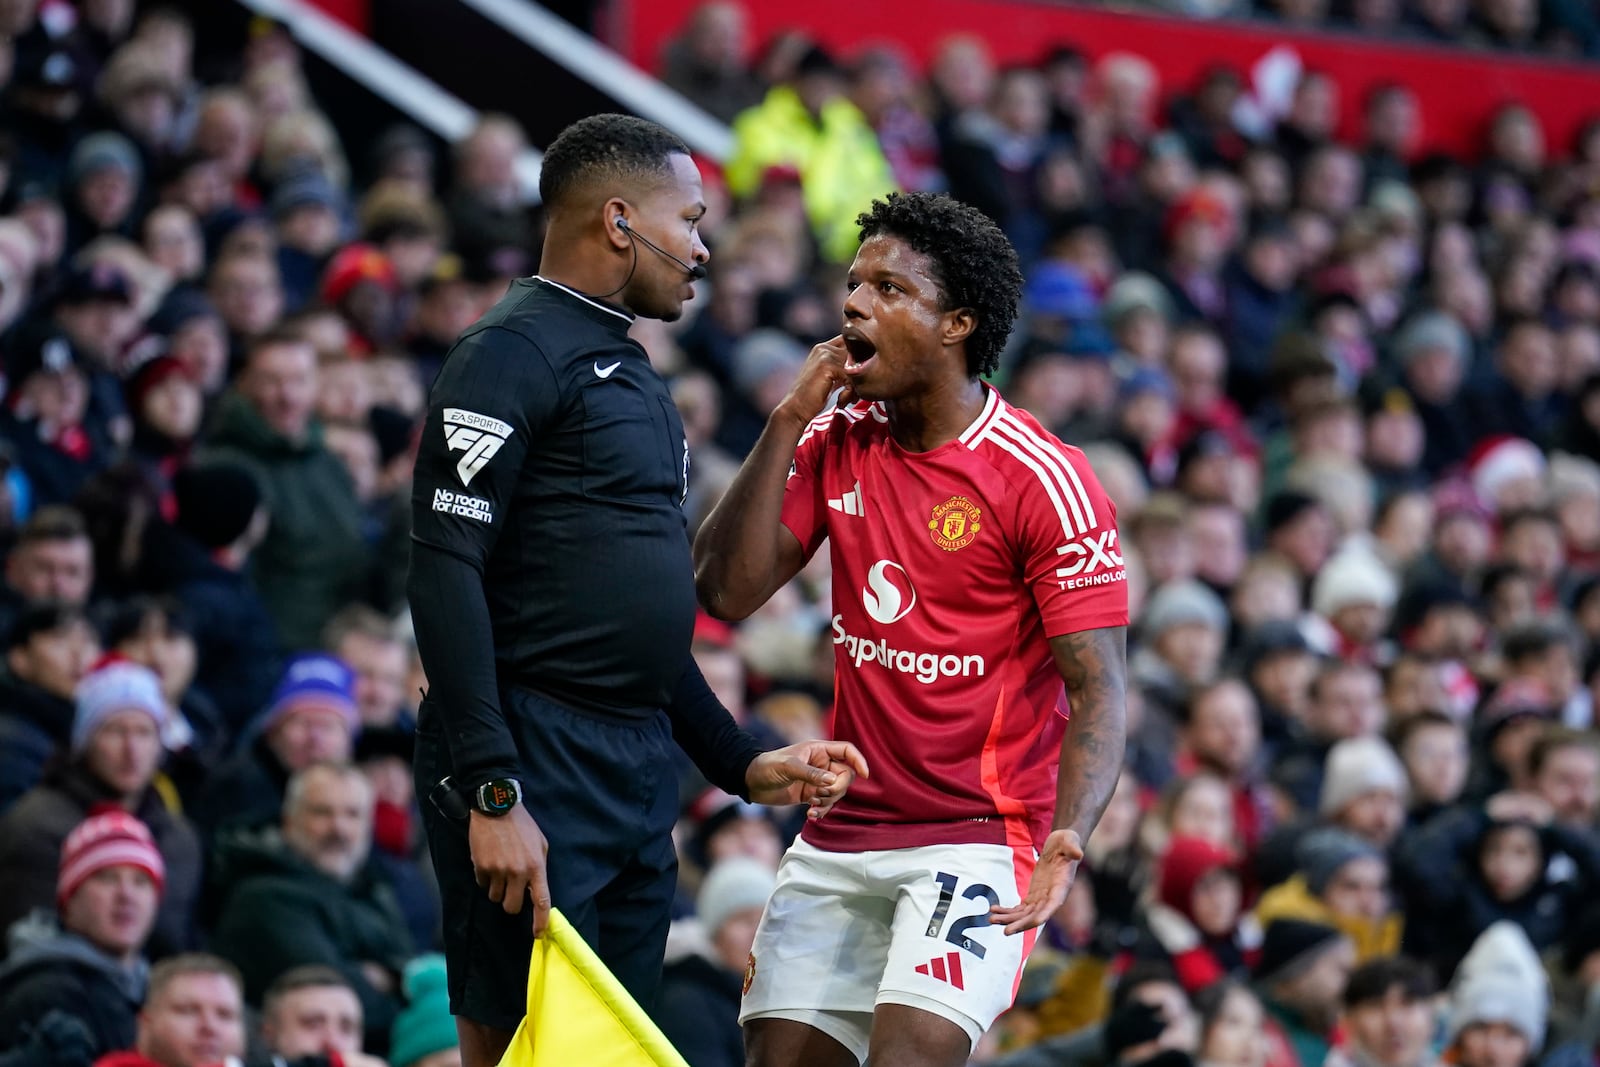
(1341, 881)
(424, 1033)
(115, 753)
(104, 175)
(49, 648)
(1301, 976)
(307, 212)
(1354, 595)
(1195, 923)
(88, 962)
(1182, 636)
(361, 282)
(1500, 1003)
(311, 718)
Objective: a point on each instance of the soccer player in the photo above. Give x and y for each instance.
(975, 568)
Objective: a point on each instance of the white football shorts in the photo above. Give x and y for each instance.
(847, 931)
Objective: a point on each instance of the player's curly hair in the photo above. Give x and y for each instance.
(606, 146)
(973, 262)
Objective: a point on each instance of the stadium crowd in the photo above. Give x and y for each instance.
(1347, 401)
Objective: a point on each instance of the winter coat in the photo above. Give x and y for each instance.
(236, 641)
(31, 834)
(1294, 900)
(47, 967)
(279, 912)
(56, 1040)
(314, 560)
(1167, 936)
(698, 1010)
(33, 725)
(245, 793)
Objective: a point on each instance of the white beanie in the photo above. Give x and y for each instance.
(1356, 767)
(1353, 576)
(1501, 981)
(733, 885)
(119, 685)
(1181, 603)
(1500, 462)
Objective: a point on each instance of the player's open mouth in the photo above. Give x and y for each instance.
(859, 354)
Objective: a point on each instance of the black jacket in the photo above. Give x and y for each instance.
(48, 968)
(698, 1011)
(33, 724)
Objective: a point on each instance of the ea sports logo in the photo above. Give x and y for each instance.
(889, 596)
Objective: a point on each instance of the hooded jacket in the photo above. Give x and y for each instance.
(51, 968)
(33, 724)
(314, 560)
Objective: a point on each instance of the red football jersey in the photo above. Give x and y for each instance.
(951, 570)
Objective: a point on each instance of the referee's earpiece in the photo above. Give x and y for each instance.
(622, 223)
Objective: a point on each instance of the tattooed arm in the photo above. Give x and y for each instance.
(1094, 665)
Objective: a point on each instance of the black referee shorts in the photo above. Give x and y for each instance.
(605, 795)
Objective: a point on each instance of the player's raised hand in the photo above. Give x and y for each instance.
(822, 374)
(1047, 891)
(815, 773)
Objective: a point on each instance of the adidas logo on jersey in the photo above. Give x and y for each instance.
(478, 436)
(852, 503)
(946, 968)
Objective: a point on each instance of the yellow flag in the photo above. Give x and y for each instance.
(578, 1013)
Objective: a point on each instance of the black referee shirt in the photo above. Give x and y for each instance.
(554, 462)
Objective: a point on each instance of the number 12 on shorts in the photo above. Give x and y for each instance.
(958, 929)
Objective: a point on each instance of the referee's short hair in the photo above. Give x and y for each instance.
(606, 148)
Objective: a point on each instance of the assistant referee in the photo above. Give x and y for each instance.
(553, 596)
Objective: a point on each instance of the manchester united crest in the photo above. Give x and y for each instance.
(749, 974)
(954, 523)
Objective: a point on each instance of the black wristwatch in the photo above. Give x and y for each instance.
(498, 796)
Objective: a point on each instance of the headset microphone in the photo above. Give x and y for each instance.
(693, 270)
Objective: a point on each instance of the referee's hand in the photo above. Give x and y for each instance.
(508, 857)
(814, 773)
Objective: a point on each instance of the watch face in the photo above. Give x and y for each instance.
(498, 796)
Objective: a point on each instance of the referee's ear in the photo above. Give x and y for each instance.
(614, 220)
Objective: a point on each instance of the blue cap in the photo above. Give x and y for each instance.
(1146, 380)
(1061, 292)
(318, 681)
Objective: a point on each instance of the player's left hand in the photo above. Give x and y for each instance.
(815, 773)
(1047, 891)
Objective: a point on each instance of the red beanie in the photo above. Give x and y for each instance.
(1188, 860)
(109, 839)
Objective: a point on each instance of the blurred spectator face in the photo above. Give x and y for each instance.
(1267, 183)
(1224, 730)
(1361, 624)
(201, 345)
(1236, 1036)
(1306, 541)
(1395, 439)
(57, 569)
(1284, 681)
(165, 649)
(344, 393)
(203, 186)
(1192, 649)
(1452, 248)
(173, 407)
(753, 836)
(381, 668)
(314, 1021)
(1407, 523)
(1347, 702)
(1127, 87)
(1022, 103)
(1198, 363)
(1492, 1045)
(963, 73)
(228, 131)
(1466, 295)
(114, 910)
(56, 660)
(1182, 1032)
(248, 293)
(1392, 121)
(1436, 758)
(1268, 591)
(1144, 334)
(1359, 889)
(1377, 816)
(1204, 809)
(1272, 261)
(1392, 1032)
(280, 382)
(1577, 299)
(1569, 779)
(1510, 861)
(106, 196)
(1216, 902)
(1332, 183)
(310, 228)
(1529, 361)
(113, 18)
(98, 327)
(194, 1019)
(124, 752)
(719, 37)
(724, 672)
(1578, 350)
(308, 735)
(1120, 822)
(331, 825)
(1461, 542)
(735, 937)
(16, 16)
(1315, 993)
(172, 241)
(1534, 544)
(488, 163)
(445, 311)
(1314, 111)
(1217, 533)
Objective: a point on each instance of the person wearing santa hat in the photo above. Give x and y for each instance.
(88, 959)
